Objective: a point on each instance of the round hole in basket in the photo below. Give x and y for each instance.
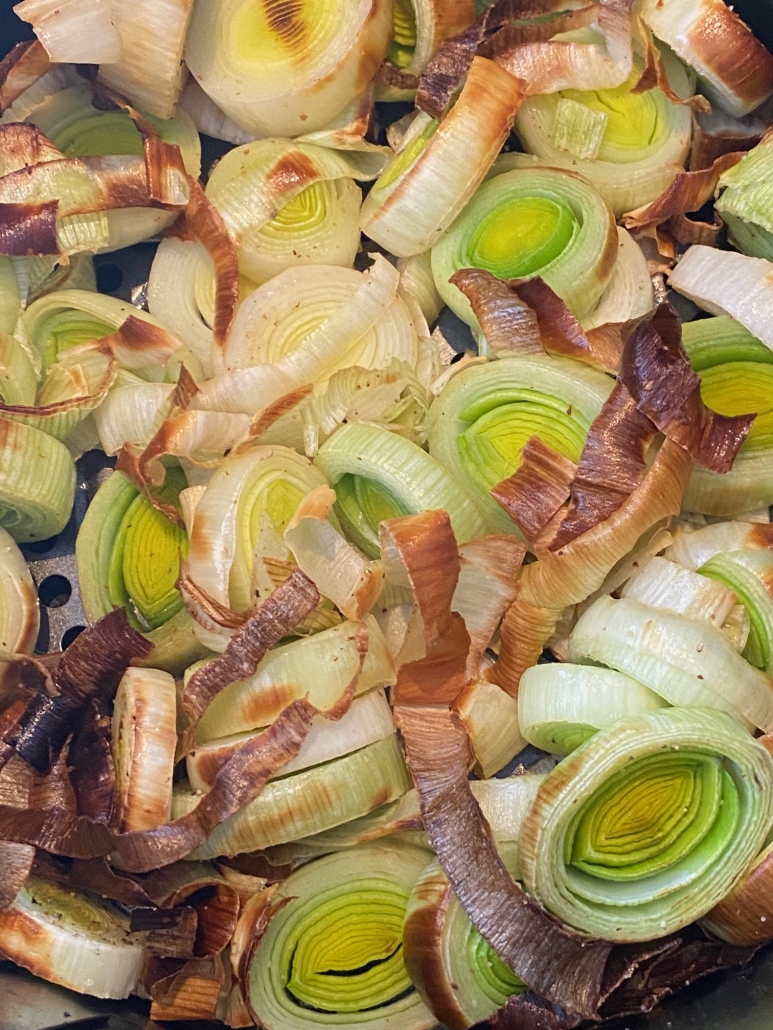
(55, 591)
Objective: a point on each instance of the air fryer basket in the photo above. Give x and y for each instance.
(738, 1000)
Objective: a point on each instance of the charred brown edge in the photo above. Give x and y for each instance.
(537, 489)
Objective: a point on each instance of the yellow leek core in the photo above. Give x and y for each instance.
(634, 120)
(271, 32)
(145, 565)
(302, 213)
(70, 328)
(521, 236)
(104, 133)
(737, 387)
(345, 953)
(403, 42)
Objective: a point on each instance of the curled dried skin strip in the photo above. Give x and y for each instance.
(537, 489)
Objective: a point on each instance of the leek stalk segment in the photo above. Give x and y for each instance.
(561, 705)
(128, 554)
(287, 204)
(37, 482)
(333, 953)
(379, 475)
(647, 825)
(744, 203)
(630, 146)
(749, 574)
(72, 939)
(530, 222)
(307, 802)
(19, 613)
(485, 415)
(736, 372)
(281, 71)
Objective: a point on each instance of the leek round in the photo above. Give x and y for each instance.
(630, 146)
(744, 202)
(331, 954)
(37, 483)
(128, 554)
(379, 475)
(645, 827)
(425, 186)
(560, 705)
(532, 222)
(484, 416)
(19, 612)
(685, 661)
(72, 939)
(283, 72)
(307, 802)
(749, 574)
(287, 204)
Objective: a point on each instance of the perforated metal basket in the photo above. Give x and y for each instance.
(738, 1000)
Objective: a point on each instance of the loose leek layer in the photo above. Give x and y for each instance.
(333, 954)
(647, 825)
(319, 666)
(299, 302)
(128, 554)
(484, 416)
(693, 549)
(745, 193)
(281, 71)
(561, 706)
(72, 939)
(379, 475)
(736, 371)
(532, 222)
(459, 975)
(19, 613)
(630, 146)
(37, 482)
(686, 661)
(307, 802)
(240, 518)
(425, 186)
(749, 574)
(287, 204)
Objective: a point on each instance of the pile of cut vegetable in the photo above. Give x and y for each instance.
(342, 575)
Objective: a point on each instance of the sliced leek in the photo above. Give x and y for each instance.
(419, 27)
(485, 415)
(307, 802)
(642, 829)
(749, 574)
(37, 483)
(642, 141)
(281, 71)
(332, 953)
(19, 613)
(744, 201)
(560, 705)
(379, 475)
(532, 222)
(143, 740)
(664, 584)
(73, 939)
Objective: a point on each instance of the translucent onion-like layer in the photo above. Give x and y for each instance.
(484, 416)
(19, 613)
(276, 320)
(459, 976)
(642, 138)
(37, 482)
(560, 705)
(128, 554)
(745, 194)
(379, 475)
(283, 71)
(425, 186)
(532, 222)
(332, 954)
(749, 574)
(287, 204)
(307, 802)
(645, 827)
(72, 938)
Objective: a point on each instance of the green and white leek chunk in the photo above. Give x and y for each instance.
(630, 146)
(379, 475)
(19, 612)
(646, 826)
(485, 415)
(308, 801)
(527, 222)
(750, 575)
(686, 661)
(287, 204)
(72, 939)
(744, 193)
(332, 955)
(561, 705)
(37, 483)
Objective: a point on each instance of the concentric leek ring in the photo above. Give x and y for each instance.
(532, 222)
(647, 825)
(333, 955)
(750, 575)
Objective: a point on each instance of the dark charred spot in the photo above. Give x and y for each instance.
(285, 18)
